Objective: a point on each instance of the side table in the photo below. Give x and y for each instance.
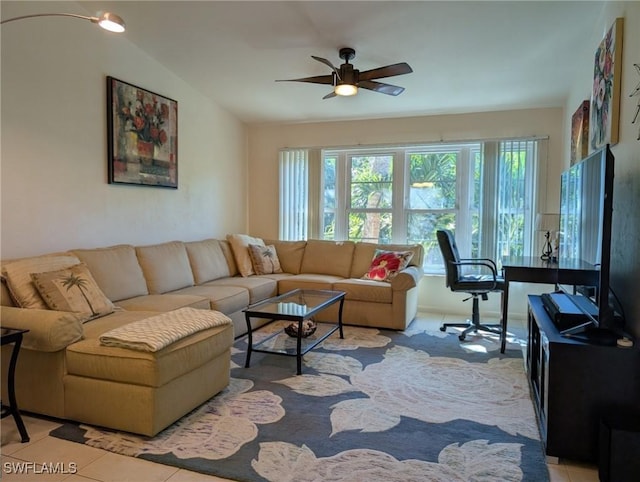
(11, 335)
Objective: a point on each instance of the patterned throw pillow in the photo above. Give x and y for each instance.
(387, 264)
(265, 259)
(72, 289)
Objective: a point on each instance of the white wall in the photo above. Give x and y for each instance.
(625, 250)
(266, 140)
(55, 194)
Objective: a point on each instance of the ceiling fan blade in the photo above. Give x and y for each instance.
(319, 79)
(327, 63)
(329, 95)
(387, 71)
(380, 87)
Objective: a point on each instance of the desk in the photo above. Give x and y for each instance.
(528, 269)
(10, 335)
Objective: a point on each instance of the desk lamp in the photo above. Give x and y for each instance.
(547, 223)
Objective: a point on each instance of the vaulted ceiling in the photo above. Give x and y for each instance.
(466, 56)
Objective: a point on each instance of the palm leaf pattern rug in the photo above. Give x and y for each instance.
(376, 406)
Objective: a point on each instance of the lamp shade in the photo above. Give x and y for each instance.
(547, 222)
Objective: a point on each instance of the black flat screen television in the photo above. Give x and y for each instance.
(586, 209)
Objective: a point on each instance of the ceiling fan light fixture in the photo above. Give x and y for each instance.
(346, 89)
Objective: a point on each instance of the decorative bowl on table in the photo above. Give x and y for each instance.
(308, 329)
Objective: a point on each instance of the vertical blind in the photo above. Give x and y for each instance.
(517, 162)
(294, 194)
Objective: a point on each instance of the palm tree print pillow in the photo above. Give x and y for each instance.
(72, 289)
(387, 264)
(265, 259)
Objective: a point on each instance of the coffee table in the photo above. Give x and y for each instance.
(296, 306)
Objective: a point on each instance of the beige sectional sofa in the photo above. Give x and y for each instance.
(65, 372)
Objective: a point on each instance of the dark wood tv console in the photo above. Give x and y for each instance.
(575, 384)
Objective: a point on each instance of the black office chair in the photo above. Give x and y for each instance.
(477, 285)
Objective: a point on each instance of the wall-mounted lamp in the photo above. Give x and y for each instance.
(547, 223)
(108, 21)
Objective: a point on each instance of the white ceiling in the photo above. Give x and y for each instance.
(466, 56)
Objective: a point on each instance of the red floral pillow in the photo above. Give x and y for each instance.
(386, 264)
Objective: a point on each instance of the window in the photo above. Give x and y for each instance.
(442, 189)
(363, 210)
(483, 191)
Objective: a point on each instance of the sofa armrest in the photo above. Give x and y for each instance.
(49, 330)
(407, 278)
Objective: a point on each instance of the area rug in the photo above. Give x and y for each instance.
(376, 406)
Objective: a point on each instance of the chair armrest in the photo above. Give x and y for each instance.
(487, 263)
(407, 278)
(479, 262)
(49, 330)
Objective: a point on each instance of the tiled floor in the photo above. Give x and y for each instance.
(46, 458)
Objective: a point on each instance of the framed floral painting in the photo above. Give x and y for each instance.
(605, 95)
(142, 129)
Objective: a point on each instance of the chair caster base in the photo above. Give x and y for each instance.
(443, 328)
(461, 337)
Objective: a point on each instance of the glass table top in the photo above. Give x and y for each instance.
(295, 304)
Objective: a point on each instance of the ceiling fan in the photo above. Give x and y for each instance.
(346, 80)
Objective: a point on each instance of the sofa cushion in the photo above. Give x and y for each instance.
(72, 289)
(228, 254)
(207, 259)
(386, 264)
(259, 287)
(87, 358)
(164, 302)
(307, 282)
(290, 254)
(240, 248)
(5, 295)
(264, 259)
(365, 290)
(227, 299)
(165, 266)
(18, 276)
(328, 257)
(116, 270)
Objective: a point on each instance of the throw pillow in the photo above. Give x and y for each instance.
(18, 276)
(240, 248)
(265, 259)
(387, 264)
(72, 289)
